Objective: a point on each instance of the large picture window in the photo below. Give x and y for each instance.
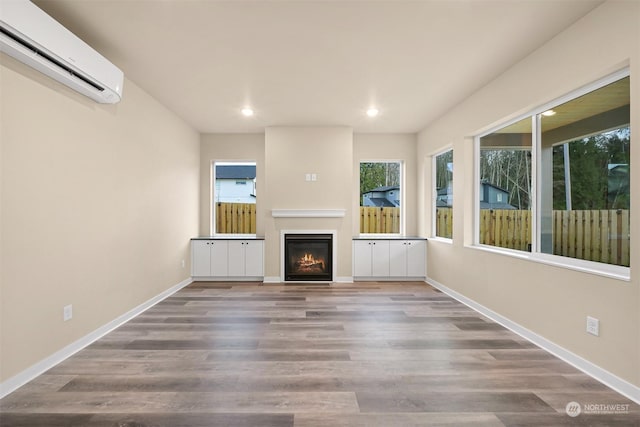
(575, 154)
(380, 197)
(585, 164)
(443, 194)
(234, 198)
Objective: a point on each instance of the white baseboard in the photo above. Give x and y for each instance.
(227, 278)
(49, 362)
(344, 279)
(387, 279)
(607, 378)
(272, 279)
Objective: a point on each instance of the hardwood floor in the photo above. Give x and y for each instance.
(363, 354)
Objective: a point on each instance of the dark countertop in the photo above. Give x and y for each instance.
(228, 238)
(388, 238)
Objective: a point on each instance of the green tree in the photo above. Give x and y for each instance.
(599, 171)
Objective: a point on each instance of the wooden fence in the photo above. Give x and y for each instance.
(236, 218)
(505, 228)
(444, 222)
(593, 235)
(596, 235)
(379, 220)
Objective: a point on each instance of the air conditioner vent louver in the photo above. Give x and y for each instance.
(34, 38)
(50, 58)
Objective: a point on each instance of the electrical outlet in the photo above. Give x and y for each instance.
(182, 263)
(593, 326)
(307, 177)
(314, 177)
(67, 312)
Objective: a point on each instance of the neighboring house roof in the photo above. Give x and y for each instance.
(381, 202)
(383, 189)
(235, 172)
(494, 186)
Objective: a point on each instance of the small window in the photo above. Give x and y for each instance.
(380, 197)
(443, 192)
(234, 200)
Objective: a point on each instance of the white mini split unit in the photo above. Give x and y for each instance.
(36, 39)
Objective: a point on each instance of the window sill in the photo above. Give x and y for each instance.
(590, 267)
(441, 240)
(229, 236)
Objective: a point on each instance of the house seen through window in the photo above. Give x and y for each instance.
(380, 197)
(234, 198)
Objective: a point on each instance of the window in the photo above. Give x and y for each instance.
(234, 198)
(505, 187)
(585, 166)
(380, 197)
(578, 150)
(443, 194)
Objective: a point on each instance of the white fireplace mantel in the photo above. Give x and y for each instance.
(308, 213)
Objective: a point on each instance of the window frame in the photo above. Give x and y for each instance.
(402, 231)
(212, 196)
(434, 195)
(598, 268)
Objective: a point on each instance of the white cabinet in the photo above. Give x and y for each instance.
(389, 259)
(227, 258)
(407, 258)
(209, 258)
(254, 258)
(246, 258)
(370, 258)
(362, 258)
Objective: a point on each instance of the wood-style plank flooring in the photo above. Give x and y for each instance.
(363, 354)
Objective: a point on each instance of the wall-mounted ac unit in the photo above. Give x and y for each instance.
(33, 37)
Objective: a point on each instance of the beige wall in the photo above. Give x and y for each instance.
(230, 147)
(292, 152)
(284, 155)
(98, 203)
(401, 147)
(550, 301)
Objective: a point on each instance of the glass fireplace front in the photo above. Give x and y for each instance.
(308, 257)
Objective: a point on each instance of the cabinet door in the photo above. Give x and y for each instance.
(398, 258)
(380, 258)
(219, 258)
(362, 258)
(416, 258)
(236, 258)
(254, 258)
(200, 258)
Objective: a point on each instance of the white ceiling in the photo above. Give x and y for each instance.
(314, 63)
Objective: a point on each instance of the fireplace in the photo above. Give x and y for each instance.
(308, 257)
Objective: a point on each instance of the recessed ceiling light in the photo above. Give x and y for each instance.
(247, 112)
(372, 112)
(549, 113)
